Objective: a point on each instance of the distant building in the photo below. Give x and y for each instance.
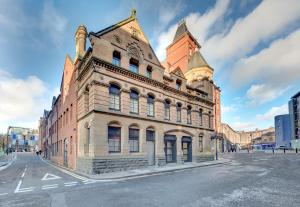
(294, 110)
(259, 139)
(283, 131)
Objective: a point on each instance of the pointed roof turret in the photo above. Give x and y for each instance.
(181, 29)
(197, 61)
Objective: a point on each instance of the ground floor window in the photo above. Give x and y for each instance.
(114, 139)
(200, 143)
(170, 150)
(134, 140)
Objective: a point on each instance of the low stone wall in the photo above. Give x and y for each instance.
(101, 165)
(203, 158)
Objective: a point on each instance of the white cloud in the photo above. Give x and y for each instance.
(198, 24)
(277, 64)
(243, 126)
(271, 113)
(261, 93)
(22, 100)
(267, 20)
(229, 108)
(53, 23)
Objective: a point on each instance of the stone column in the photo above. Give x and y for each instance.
(124, 139)
(160, 158)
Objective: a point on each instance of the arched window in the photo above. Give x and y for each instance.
(116, 58)
(134, 136)
(134, 65)
(167, 109)
(134, 102)
(114, 97)
(178, 112)
(189, 115)
(150, 105)
(149, 72)
(200, 116)
(114, 138)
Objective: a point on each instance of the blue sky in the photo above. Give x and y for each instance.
(252, 45)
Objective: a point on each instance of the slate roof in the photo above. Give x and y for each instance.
(181, 30)
(197, 61)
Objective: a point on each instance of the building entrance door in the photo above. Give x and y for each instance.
(66, 152)
(187, 149)
(170, 148)
(150, 152)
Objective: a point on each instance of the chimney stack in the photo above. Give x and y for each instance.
(80, 41)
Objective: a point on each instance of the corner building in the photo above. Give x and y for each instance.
(133, 111)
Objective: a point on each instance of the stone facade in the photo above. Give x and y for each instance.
(243, 139)
(97, 73)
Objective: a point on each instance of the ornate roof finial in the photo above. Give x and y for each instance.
(133, 13)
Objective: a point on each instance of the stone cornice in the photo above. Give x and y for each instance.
(122, 71)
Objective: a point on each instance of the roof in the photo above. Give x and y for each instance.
(181, 31)
(296, 95)
(117, 25)
(197, 61)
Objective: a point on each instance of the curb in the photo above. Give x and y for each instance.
(89, 177)
(8, 163)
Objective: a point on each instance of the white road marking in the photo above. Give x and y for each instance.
(69, 183)
(23, 175)
(50, 187)
(3, 194)
(65, 171)
(22, 190)
(49, 176)
(44, 187)
(89, 181)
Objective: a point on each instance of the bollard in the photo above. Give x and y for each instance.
(284, 150)
(296, 150)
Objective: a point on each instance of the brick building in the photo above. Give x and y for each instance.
(132, 110)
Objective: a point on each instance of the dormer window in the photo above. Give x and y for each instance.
(134, 65)
(178, 84)
(149, 72)
(116, 58)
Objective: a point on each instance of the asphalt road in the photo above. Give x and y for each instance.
(249, 180)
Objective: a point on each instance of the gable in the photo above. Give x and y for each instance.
(178, 72)
(128, 35)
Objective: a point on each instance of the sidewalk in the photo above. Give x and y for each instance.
(146, 171)
(6, 160)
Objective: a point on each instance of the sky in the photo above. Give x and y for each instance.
(253, 46)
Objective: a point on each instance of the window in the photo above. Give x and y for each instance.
(178, 112)
(149, 72)
(134, 102)
(134, 140)
(178, 84)
(114, 97)
(167, 110)
(189, 115)
(150, 105)
(200, 143)
(200, 116)
(134, 65)
(209, 120)
(114, 139)
(116, 58)
(150, 135)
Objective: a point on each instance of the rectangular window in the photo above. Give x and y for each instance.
(134, 140)
(134, 65)
(71, 143)
(150, 135)
(114, 139)
(71, 111)
(178, 115)
(133, 68)
(134, 106)
(114, 101)
(116, 58)
(150, 109)
(149, 72)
